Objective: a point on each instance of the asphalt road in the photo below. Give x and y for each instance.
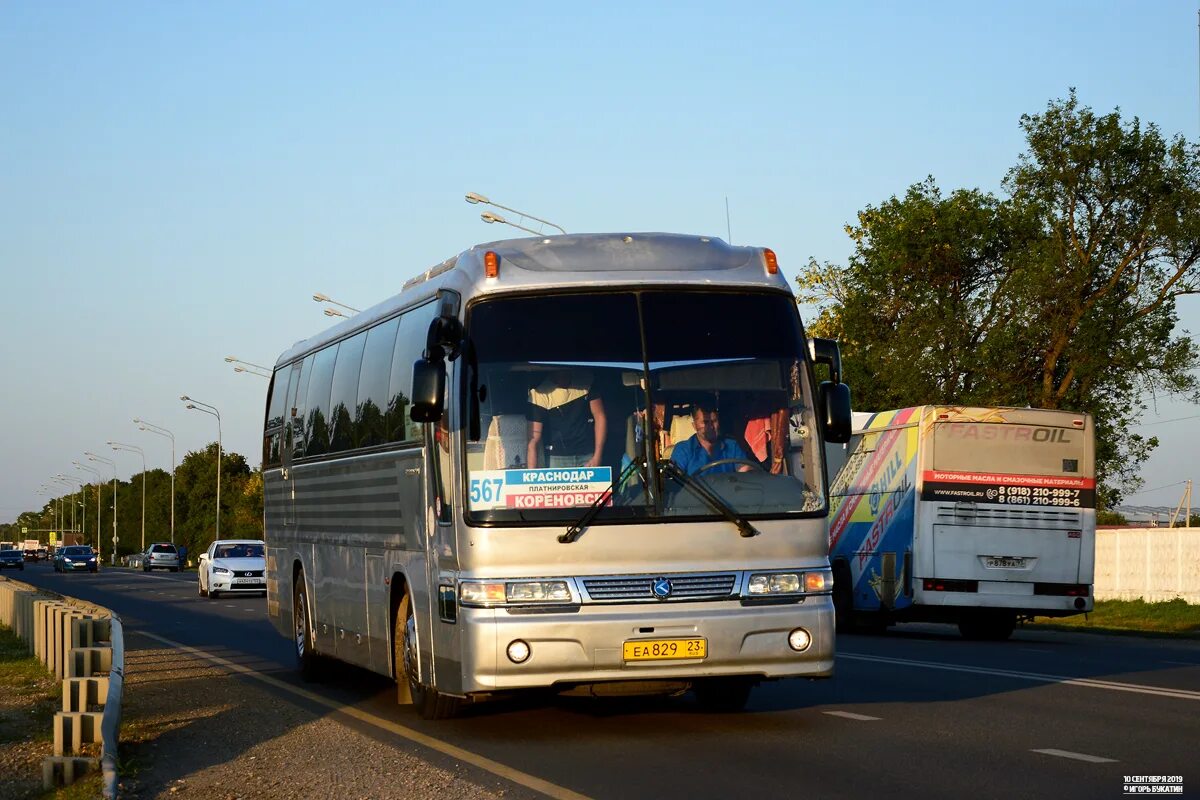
(917, 712)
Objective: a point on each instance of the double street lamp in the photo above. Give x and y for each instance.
(196, 405)
(93, 457)
(132, 448)
(329, 312)
(97, 474)
(254, 369)
(489, 217)
(149, 427)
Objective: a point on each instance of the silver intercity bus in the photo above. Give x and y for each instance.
(592, 463)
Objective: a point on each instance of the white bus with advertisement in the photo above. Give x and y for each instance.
(588, 463)
(973, 516)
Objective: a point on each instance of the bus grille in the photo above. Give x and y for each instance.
(640, 587)
(1038, 517)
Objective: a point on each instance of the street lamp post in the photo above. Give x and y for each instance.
(93, 457)
(487, 216)
(97, 474)
(236, 360)
(324, 298)
(161, 431)
(133, 448)
(74, 485)
(196, 405)
(251, 372)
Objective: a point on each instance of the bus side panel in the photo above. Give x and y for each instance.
(279, 578)
(873, 511)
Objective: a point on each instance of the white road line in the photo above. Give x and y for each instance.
(1076, 756)
(482, 762)
(1183, 663)
(852, 715)
(1091, 683)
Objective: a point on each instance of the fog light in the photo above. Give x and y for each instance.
(518, 652)
(799, 640)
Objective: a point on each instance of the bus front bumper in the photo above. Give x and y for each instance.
(587, 645)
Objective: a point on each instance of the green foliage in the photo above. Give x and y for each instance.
(1172, 616)
(195, 506)
(1060, 295)
(1110, 518)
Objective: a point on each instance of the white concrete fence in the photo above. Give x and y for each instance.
(82, 645)
(1151, 564)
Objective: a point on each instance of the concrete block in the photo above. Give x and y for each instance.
(72, 730)
(64, 770)
(84, 662)
(84, 694)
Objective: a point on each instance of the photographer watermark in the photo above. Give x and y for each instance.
(1153, 784)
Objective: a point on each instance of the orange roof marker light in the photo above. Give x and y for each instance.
(491, 264)
(772, 261)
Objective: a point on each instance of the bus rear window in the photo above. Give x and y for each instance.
(1010, 448)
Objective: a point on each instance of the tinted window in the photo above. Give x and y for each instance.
(77, 551)
(163, 548)
(320, 384)
(296, 432)
(410, 344)
(373, 384)
(344, 398)
(275, 416)
(279, 386)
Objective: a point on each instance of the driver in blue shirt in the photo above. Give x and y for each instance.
(707, 445)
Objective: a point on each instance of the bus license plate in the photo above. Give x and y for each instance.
(1005, 563)
(665, 649)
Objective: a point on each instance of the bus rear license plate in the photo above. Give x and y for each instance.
(1004, 563)
(665, 649)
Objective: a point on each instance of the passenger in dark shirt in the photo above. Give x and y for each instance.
(568, 420)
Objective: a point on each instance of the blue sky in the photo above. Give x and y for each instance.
(177, 179)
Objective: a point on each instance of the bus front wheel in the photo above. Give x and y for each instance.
(428, 702)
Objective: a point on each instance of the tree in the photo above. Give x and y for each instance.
(1060, 295)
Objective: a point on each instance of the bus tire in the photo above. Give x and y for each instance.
(723, 695)
(307, 661)
(428, 702)
(987, 625)
(843, 598)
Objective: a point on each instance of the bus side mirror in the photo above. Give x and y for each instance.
(826, 351)
(833, 405)
(428, 390)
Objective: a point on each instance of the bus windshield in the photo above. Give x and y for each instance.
(583, 399)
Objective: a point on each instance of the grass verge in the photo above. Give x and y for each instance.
(1171, 618)
(29, 697)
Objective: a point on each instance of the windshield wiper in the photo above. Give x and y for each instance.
(576, 530)
(714, 500)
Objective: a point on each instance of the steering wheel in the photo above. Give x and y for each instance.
(721, 461)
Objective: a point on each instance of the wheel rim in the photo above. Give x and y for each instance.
(410, 654)
(301, 632)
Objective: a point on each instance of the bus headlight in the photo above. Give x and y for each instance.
(539, 592)
(775, 583)
(498, 593)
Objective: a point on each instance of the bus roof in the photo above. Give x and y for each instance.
(573, 260)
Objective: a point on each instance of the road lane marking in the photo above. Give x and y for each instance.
(852, 715)
(1076, 756)
(482, 762)
(1091, 683)
(1184, 663)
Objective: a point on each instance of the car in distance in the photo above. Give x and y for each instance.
(75, 558)
(161, 555)
(12, 558)
(233, 565)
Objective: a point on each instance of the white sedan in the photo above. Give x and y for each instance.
(233, 566)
